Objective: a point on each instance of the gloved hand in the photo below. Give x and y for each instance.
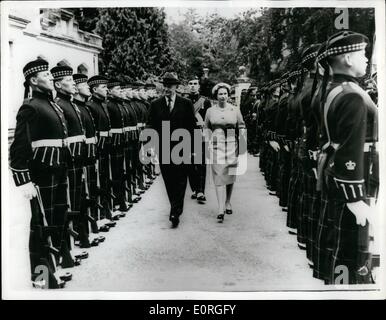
(275, 146)
(254, 116)
(28, 190)
(286, 148)
(361, 211)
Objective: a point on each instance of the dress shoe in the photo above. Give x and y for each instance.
(101, 238)
(67, 276)
(220, 218)
(85, 245)
(201, 198)
(94, 242)
(228, 211)
(193, 196)
(111, 224)
(82, 255)
(175, 221)
(104, 228)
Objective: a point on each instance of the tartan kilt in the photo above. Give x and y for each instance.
(52, 183)
(273, 175)
(75, 171)
(117, 159)
(312, 221)
(268, 166)
(92, 187)
(103, 158)
(345, 243)
(293, 195)
(263, 157)
(284, 178)
(304, 205)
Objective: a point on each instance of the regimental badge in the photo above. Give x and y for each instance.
(350, 165)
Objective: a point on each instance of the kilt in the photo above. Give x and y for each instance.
(273, 173)
(117, 159)
(340, 242)
(76, 191)
(92, 189)
(52, 183)
(304, 206)
(293, 194)
(284, 177)
(312, 219)
(104, 161)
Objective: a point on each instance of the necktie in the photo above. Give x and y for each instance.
(170, 103)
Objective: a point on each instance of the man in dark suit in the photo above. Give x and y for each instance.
(178, 113)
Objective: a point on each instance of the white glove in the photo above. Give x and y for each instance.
(286, 148)
(254, 116)
(361, 212)
(274, 145)
(28, 190)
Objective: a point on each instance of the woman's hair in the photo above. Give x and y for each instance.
(221, 85)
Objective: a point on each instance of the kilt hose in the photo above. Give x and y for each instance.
(341, 244)
(293, 194)
(284, 177)
(117, 159)
(52, 183)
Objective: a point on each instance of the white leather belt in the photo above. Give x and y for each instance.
(116, 130)
(92, 140)
(132, 128)
(368, 145)
(104, 133)
(75, 139)
(49, 143)
(313, 154)
(125, 129)
(335, 145)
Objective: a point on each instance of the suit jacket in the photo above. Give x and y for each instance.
(181, 117)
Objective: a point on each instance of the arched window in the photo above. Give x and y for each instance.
(63, 62)
(82, 68)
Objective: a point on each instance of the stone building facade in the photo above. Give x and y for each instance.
(52, 34)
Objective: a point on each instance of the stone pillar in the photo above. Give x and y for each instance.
(243, 82)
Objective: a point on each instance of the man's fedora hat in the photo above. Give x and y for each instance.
(170, 78)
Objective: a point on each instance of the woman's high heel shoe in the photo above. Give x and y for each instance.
(220, 218)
